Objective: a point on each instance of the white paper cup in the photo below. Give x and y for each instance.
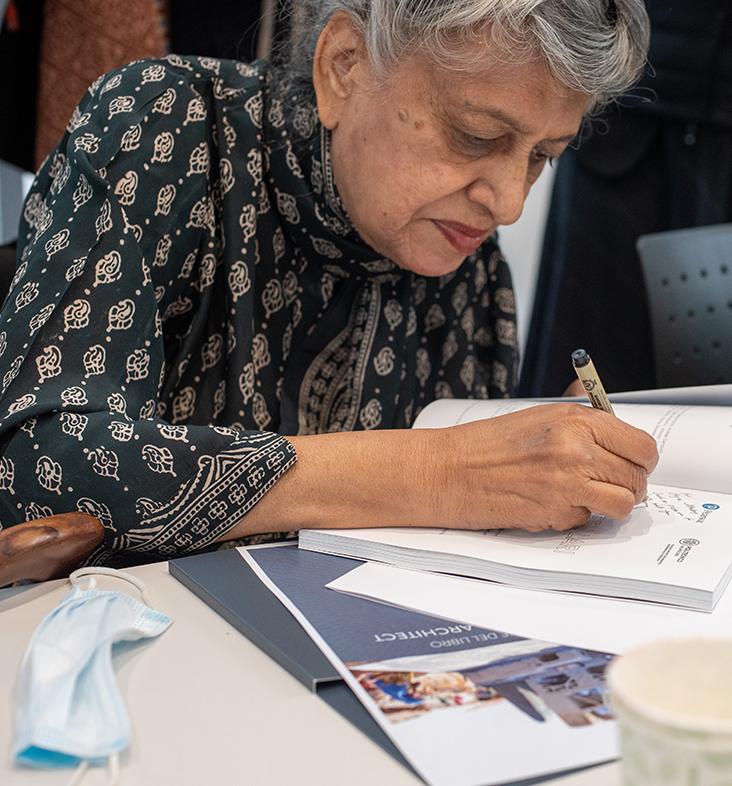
(673, 701)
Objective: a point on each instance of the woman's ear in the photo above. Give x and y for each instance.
(340, 60)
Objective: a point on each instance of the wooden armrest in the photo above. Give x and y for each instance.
(48, 548)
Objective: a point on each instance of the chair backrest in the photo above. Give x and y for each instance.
(688, 275)
(48, 548)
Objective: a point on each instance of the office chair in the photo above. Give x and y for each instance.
(47, 548)
(688, 275)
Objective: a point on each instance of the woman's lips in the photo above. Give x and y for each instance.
(462, 237)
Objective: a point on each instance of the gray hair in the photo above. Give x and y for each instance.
(597, 47)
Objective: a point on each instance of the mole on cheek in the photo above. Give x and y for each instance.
(403, 115)
(419, 125)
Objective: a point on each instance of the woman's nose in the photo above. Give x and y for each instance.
(502, 189)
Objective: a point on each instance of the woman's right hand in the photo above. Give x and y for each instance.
(548, 466)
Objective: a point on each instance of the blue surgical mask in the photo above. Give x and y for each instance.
(69, 709)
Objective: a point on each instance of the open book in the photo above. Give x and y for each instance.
(675, 550)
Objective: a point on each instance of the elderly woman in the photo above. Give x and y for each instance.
(238, 286)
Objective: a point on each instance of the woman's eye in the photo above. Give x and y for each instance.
(539, 157)
(475, 145)
(543, 155)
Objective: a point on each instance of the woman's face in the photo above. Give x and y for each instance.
(433, 163)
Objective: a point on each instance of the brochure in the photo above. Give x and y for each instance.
(465, 705)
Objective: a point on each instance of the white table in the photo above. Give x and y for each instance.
(208, 708)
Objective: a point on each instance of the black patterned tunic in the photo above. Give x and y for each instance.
(190, 289)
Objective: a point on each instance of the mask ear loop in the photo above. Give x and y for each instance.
(79, 773)
(75, 577)
(112, 771)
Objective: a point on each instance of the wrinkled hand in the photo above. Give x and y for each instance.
(549, 466)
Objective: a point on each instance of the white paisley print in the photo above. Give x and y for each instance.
(191, 292)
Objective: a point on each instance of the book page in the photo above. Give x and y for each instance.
(699, 395)
(449, 412)
(674, 550)
(454, 411)
(694, 443)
